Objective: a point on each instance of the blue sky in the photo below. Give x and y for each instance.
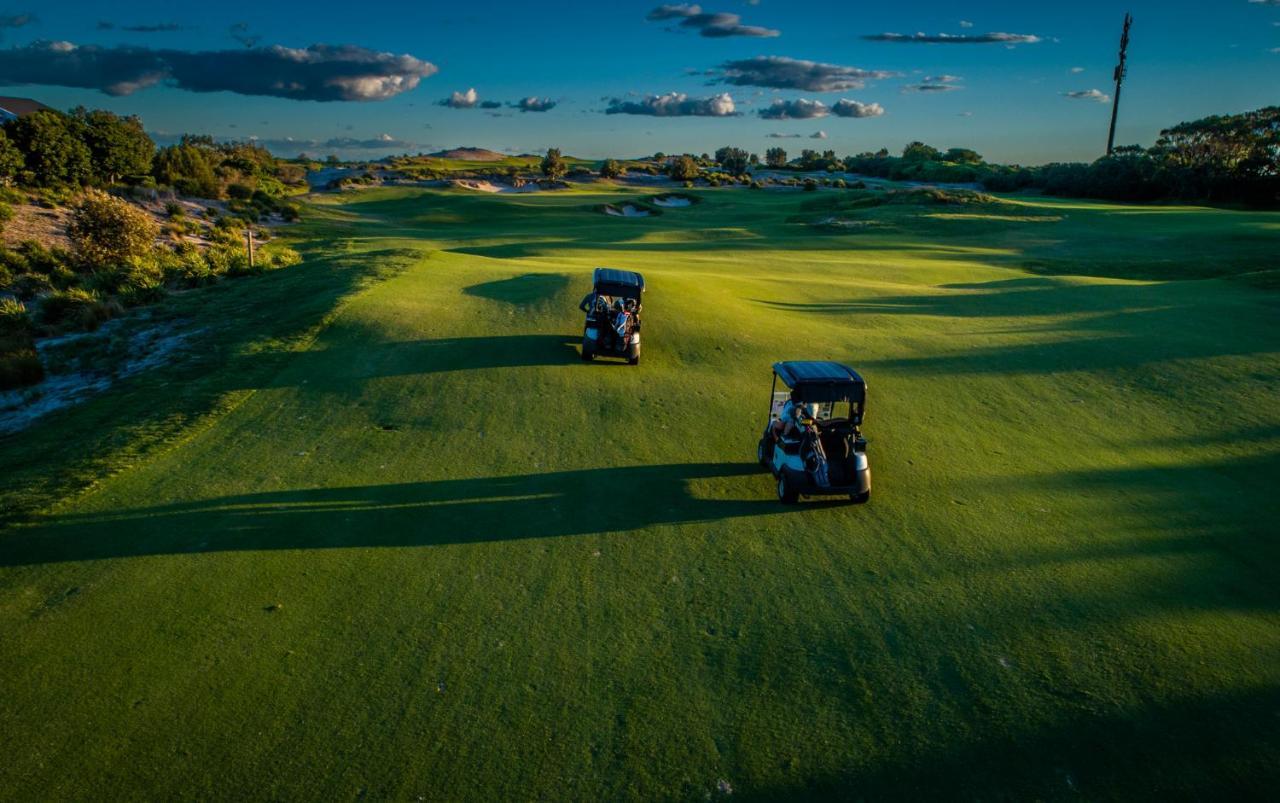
(1187, 60)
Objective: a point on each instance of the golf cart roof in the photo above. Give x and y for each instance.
(613, 282)
(822, 381)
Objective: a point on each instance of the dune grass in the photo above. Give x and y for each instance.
(389, 538)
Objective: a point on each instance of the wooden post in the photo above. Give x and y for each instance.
(248, 241)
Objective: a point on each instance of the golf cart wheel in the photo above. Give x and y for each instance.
(633, 360)
(762, 452)
(787, 495)
(860, 499)
(588, 355)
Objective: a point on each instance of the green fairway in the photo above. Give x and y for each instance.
(386, 536)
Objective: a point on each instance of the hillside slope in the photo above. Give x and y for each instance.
(430, 554)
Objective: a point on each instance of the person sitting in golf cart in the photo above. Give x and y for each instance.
(797, 423)
(594, 301)
(791, 419)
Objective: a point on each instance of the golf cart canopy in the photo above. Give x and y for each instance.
(823, 382)
(618, 283)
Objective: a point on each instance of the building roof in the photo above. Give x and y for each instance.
(21, 107)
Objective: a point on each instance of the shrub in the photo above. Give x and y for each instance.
(612, 169)
(19, 362)
(75, 309)
(282, 257)
(684, 168)
(109, 232)
(810, 185)
(174, 209)
(240, 192)
(224, 259)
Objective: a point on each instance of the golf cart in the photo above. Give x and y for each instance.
(613, 306)
(821, 451)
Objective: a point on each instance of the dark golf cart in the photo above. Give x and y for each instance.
(823, 452)
(613, 306)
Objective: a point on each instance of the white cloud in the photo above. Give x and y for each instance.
(1089, 94)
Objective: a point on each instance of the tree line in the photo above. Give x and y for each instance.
(53, 150)
(1218, 159)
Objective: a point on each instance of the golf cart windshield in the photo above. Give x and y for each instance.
(835, 391)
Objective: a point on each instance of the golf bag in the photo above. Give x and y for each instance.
(815, 457)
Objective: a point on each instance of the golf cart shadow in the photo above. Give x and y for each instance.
(417, 514)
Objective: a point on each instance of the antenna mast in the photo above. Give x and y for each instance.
(1122, 70)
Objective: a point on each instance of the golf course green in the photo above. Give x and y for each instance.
(379, 532)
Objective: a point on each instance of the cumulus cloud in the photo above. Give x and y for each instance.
(1089, 94)
(852, 108)
(461, 100)
(780, 72)
(818, 135)
(240, 32)
(378, 143)
(1077, 70)
(1265, 3)
(16, 20)
(942, 79)
(711, 24)
(675, 104)
(957, 39)
(532, 104)
(966, 24)
(799, 109)
(779, 135)
(930, 87)
(318, 72)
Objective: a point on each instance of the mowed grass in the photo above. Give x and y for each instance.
(389, 538)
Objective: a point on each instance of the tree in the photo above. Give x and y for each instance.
(11, 162)
(53, 155)
(684, 168)
(962, 156)
(108, 232)
(119, 146)
(189, 169)
(775, 157)
(332, 160)
(612, 169)
(920, 152)
(734, 161)
(553, 165)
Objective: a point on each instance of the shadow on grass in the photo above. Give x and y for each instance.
(531, 288)
(1219, 746)
(249, 326)
(1100, 326)
(342, 368)
(401, 515)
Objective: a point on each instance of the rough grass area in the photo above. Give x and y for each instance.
(387, 537)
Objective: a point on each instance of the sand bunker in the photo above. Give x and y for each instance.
(626, 210)
(672, 201)
(489, 186)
